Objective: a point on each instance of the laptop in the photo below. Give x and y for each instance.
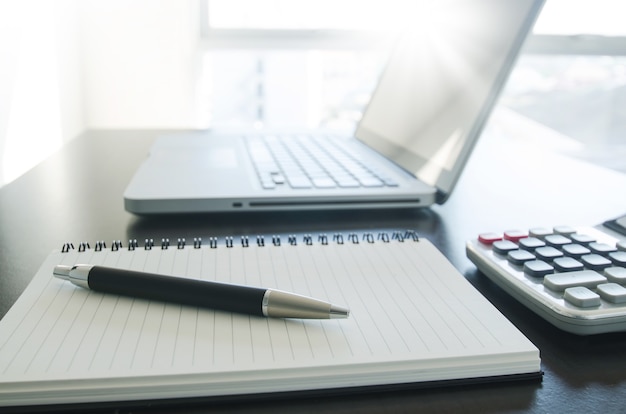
(418, 130)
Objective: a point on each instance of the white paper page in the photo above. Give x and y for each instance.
(413, 318)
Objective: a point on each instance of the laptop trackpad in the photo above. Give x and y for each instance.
(191, 168)
(223, 158)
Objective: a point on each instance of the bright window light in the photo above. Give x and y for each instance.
(585, 17)
(564, 17)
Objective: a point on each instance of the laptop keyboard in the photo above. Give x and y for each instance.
(303, 161)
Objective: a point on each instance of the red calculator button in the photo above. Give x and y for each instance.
(514, 235)
(489, 238)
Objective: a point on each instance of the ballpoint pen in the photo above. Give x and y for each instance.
(216, 295)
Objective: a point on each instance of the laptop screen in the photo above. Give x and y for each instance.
(441, 82)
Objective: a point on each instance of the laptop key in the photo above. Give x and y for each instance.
(348, 182)
(267, 183)
(278, 178)
(323, 182)
(299, 182)
(370, 182)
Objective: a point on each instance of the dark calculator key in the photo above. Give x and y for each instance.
(519, 257)
(538, 268)
(565, 230)
(567, 264)
(548, 253)
(595, 261)
(618, 258)
(504, 246)
(539, 232)
(531, 243)
(557, 240)
(575, 250)
(583, 239)
(601, 248)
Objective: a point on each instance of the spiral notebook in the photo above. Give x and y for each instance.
(414, 321)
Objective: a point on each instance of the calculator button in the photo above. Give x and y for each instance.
(612, 292)
(539, 232)
(557, 240)
(601, 248)
(583, 239)
(538, 268)
(548, 253)
(621, 245)
(581, 297)
(567, 264)
(616, 274)
(514, 235)
(575, 250)
(504, 246)
(618, 258)
(530, 243)
(519, 257)
(565, 230)
(489, 238)
(595, 261)
(561, 281)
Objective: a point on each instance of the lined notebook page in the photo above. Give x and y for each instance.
(413, 318)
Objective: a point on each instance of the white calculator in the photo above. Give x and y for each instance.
(574, 277)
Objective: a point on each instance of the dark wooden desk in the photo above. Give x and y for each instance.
(76, 195)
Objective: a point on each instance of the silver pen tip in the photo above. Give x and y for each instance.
(338, 312)
(62, 272)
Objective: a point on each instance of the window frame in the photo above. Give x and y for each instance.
(324, 39)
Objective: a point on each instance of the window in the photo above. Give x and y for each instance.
(315, 62)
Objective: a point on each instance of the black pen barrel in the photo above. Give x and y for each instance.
(227, 297)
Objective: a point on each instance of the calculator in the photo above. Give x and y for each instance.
(573, 277)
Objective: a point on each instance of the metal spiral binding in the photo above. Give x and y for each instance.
(292, 239)
(116, 245)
